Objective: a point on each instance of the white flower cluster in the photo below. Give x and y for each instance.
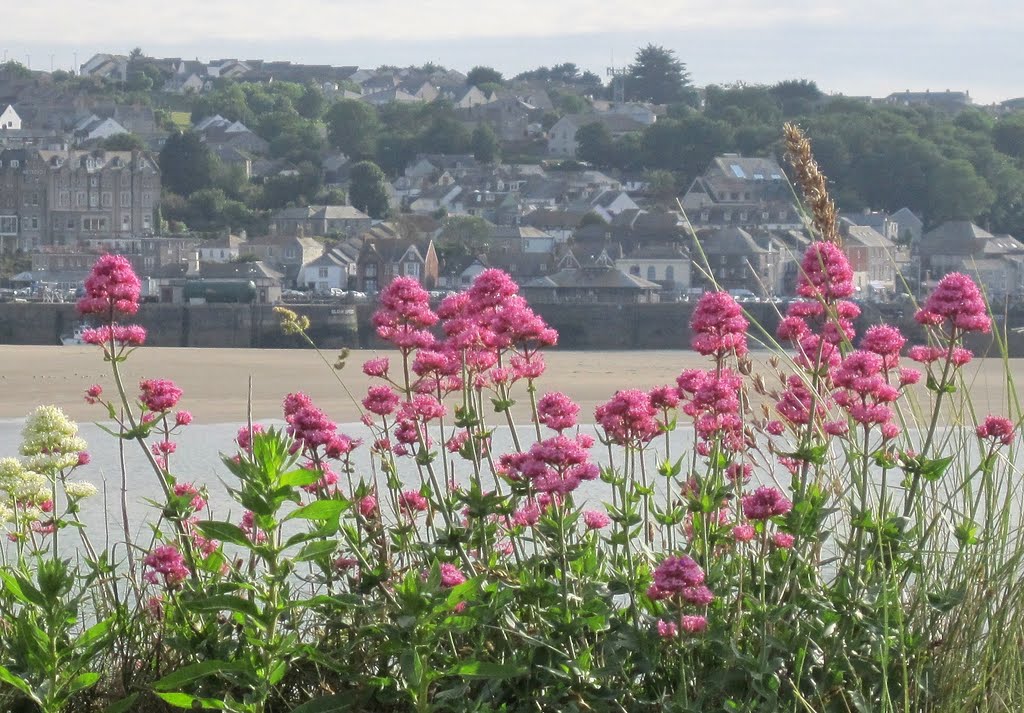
(50, 441)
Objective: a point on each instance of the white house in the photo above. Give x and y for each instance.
(224, 249)
(562, 136)
(9, 119)
(93, 128)
(335, 269)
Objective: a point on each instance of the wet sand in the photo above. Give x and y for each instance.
(216, 381)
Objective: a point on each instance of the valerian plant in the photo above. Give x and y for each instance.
(852, 546)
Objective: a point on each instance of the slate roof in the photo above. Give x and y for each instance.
(602, 278)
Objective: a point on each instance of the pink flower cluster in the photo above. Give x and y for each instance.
(997, 429)
(861, 388)
(166, 564)
(957, 303)
(122, 335)
(555, 466)
(719, 326)
(404, 316)
(764, 503)
(557, 411)
(159, 395)
(629, 419)
(680, 577)
(825, 273)
(111, 288)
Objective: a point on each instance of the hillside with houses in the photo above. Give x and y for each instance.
(261, 182)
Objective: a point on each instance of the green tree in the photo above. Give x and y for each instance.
(312, 103)
(796, 96)
(656, 75)
(594, 144)
(122, 142)
(445, 135)
(463, 235)
(661, 186)
(352, 127)
(485, 144)
(186, 164)
(483, 75)
(1008, 135)
(368, 189)
(394, 151)
(13, 69)
(686, 146)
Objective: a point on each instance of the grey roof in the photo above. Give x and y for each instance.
(866, 236)
(957, 231)
(906, 217)
(553, 218)
(615, 123)
(746, 168)
(729, 241)
(602, 278)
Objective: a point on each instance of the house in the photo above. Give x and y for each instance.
(606, 204)
(601, 282)
(95, 128)
(9, 119)
(106, 66)
(947, 101)
(560, 224)
(284, 253)
(195, 282)
(962, 246)
(218, 132)
(562, 136)
(382, 260)
(465, 97)
(666, 265)
(734, 259)
(335, 269)
(320, 220)
(435, 198)
(508, 117)
(389, 96)
(872, 257)
(64, 197)
(223, 249)
(644, 113)
(742, 192)
(908, 226)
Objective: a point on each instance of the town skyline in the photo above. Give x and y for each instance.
(934, 46)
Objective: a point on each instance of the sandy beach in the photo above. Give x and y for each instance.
(216, 381)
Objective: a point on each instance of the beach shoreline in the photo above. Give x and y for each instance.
(216, 381)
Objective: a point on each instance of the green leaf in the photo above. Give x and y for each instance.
(412, 667)
(83, 681)
(195, 672)
(299, 478)
(487, 669)
(18, 682)
(223, 602)
(319, 510)
(315, 550)
(94, 634)
(327, 704)
(932, 470)
(184, 700)
(224, 531)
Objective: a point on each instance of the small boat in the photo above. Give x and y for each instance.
(75, 338)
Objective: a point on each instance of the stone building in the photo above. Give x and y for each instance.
(70, 196)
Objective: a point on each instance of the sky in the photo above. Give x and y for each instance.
(868, 47)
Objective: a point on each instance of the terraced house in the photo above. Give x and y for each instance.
(68, 197)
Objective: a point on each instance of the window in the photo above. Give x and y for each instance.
(670, 273)
(782, 215)
(80, 199)
(322, 272)
(126, 197)
(727, 216)
(64, 200)
(652, 274)
(634, 270)
(8, 225)
(126, 221)
(93, 200)
(94, 181)
(765, 215)
(15, 163)
(371, 270)
(33, 222)
(147, 199)
(108, 199)
(704, 216)
(94, 224)
(412, 269)
(147, 221)
(734, 196)
(743, 216)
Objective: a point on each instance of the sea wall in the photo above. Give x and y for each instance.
(580, 326)
(168, 325)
